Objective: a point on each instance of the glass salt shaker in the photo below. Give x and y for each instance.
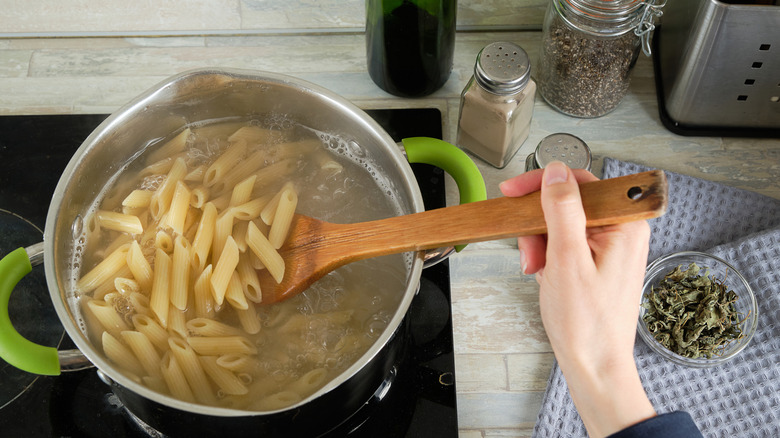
(563, 147)
(589, 48)
(496, 106)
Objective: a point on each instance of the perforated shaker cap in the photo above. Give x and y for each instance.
(502, 68)
(563, 147)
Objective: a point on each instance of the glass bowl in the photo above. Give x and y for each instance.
(720, 270)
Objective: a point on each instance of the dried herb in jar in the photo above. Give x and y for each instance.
(693, 314)
(585, 75)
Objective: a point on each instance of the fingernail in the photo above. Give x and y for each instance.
(523, 262)
(555, 173)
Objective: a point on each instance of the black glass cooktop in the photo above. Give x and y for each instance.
(420, 400)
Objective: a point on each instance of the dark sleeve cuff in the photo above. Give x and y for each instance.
(677, 424)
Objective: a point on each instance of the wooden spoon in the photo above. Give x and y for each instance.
(315, 247)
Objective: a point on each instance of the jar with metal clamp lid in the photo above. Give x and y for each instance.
(589, 48)
(496, 106)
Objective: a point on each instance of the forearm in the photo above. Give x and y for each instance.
(609, 397)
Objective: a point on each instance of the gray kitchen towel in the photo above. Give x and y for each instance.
(742, 397)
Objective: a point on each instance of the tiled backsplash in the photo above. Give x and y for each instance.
(164, 17)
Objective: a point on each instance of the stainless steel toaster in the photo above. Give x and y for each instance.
(718, 64)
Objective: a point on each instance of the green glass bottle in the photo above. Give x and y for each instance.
(410, 44)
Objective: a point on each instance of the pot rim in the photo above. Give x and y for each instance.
(353, 114)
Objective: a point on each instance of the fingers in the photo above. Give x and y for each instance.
(528, 182)
(522, 184)
(564, 215)
(622, 247)
(533, 248)
(532, 253)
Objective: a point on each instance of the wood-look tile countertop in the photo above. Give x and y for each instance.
(503, 357)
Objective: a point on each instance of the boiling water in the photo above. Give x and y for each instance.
(306, 341)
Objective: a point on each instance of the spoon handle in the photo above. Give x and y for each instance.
(606, 202)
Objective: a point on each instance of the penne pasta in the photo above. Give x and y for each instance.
(139, 267)
(177, 322)
(138, 199)
(199, 196)
(269, 211)
(174, 146)
(222, 165)
(163, 241)
(227, 382)
(250, 209)
(175, 379)
(160, 167)
(139, 303)
(192, 370)
(121, 355)
(202, 297)
(241, 171)
(249, 320)
(271, 175)
(167, 247)
(124, 223)
(218, 131)
(267, 254)
(255, 134)
(112, 322)
(191, 223)
(277, 401)
(223, 270)
(144, 351)
(210, 327)
(222, 230)
(159, 300)
(239, 235)
(249, 281)
(180, 273)
(126, 286)
(156, 384)
(235, 362)
(196, 174)
(280, 227)
(242, 191)
(180, 204)
(161, 199)
(295, 149)
(201, 246)
(153, 331)
(219, 345)
(103, 271)
(309, 382)
(235, 293)
(109, 285)
(327, 163)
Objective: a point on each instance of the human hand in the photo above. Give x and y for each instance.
(590, 282)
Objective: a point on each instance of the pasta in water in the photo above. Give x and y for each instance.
(169, 284)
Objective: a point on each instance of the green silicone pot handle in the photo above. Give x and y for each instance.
(452, 160)
(14, 348)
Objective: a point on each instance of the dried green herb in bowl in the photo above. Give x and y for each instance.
(696, 309)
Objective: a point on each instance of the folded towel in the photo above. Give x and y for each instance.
(736, 399)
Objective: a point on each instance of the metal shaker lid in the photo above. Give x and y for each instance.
(502, 68)
(567, 148)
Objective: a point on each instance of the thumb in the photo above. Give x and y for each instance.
(564, 214)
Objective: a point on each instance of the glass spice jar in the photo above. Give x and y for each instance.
(496, 106)
(563, 147)
(589, 48)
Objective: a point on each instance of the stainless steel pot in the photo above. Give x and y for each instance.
(187, 98)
